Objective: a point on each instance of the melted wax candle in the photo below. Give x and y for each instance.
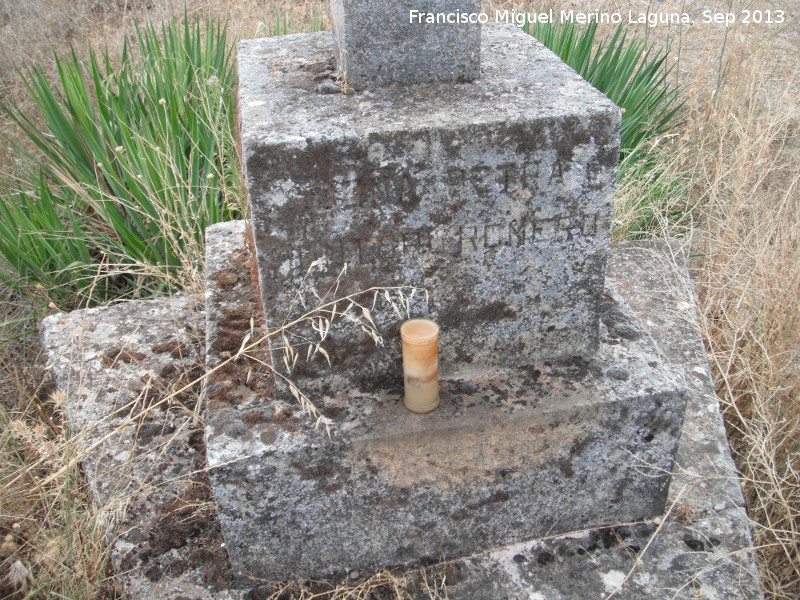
(420, 365)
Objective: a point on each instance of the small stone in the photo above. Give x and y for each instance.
(354, 575)
(626, 332)
(618, 374)
(227, 421)
(147, 431)
(328, 87)
(467, 387)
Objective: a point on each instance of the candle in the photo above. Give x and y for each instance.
(420, 365)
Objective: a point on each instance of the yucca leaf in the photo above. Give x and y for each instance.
(631, 74)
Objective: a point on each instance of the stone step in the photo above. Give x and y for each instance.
(510, 455)
(103, 359)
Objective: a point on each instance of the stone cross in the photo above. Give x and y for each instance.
(394, 41)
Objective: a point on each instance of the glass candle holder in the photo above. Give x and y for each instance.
(420, 365)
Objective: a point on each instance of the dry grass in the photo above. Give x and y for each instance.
(736, 164)
(53, 539)
(745, 160)
(381, 585)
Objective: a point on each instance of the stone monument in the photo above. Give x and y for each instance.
(495, 195)
(485, 178)
(562, 396)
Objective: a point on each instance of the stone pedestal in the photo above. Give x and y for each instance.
(170, 545)
(495, 196)
(510, 455)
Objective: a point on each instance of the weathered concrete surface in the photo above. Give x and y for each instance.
(704, 542)
(494, 195)
(127, 358)
(122, 369)
(380, 42)
(653, 278)
(510, 455)
(703, 549)
(238, 382)
(700, 556)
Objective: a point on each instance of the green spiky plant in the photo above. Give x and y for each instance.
(633, 75)
(132, 162)
(135, 160)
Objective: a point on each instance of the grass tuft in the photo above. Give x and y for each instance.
(745, 170)
(54, 542)
(133, 163)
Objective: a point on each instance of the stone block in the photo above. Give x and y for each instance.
(391, 41)
(495, 196)
(706, 546)
(510, 455)
(702, 558)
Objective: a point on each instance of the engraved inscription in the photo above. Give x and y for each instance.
(366, 190)
(463, 240)
(400, 185)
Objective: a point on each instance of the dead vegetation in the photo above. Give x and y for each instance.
(736, 167)
(735, 161)
(53, 538)
(746, 151)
